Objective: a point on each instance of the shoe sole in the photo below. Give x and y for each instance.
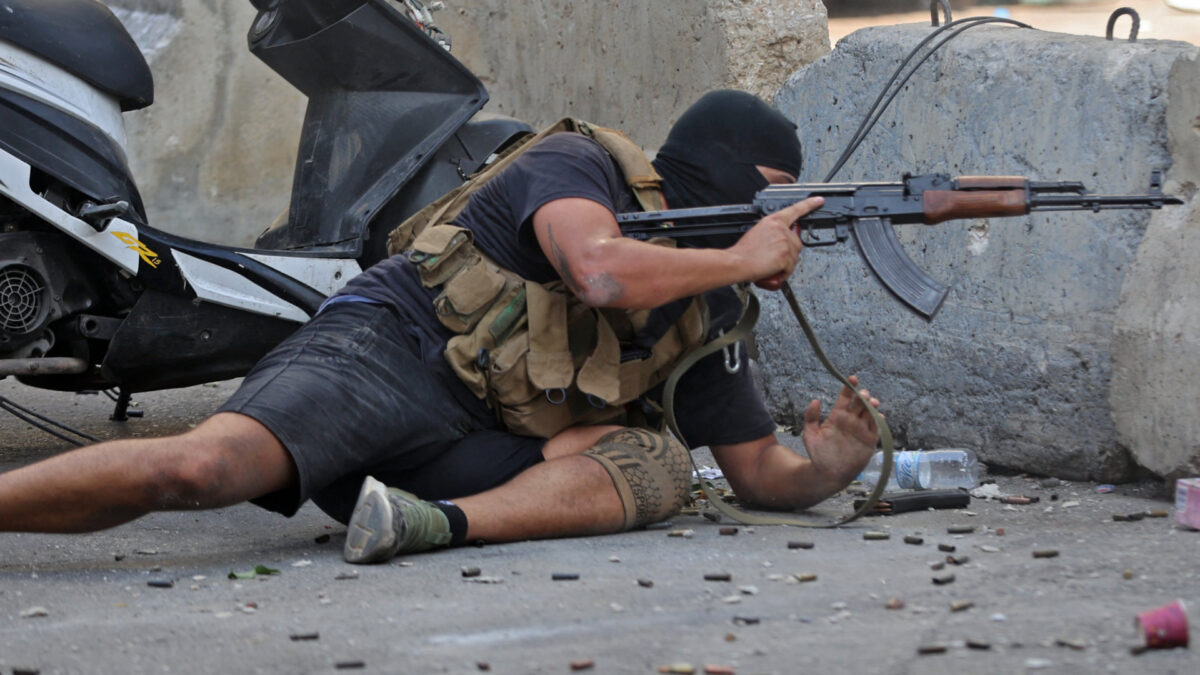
(369, 535)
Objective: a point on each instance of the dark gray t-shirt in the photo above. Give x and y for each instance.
(713, 407)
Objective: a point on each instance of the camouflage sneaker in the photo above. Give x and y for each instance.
(387, 521)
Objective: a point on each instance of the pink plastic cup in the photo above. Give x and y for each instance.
(1165, 627)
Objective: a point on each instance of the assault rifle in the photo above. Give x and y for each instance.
(867, 211)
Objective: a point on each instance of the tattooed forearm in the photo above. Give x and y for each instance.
(604, 289)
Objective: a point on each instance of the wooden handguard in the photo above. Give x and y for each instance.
(943, 205)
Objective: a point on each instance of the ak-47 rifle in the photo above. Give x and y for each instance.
(867, 211)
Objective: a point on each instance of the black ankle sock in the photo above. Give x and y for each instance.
(458, 521)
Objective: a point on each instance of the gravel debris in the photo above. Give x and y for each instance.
(1071, 643)
(978, 644)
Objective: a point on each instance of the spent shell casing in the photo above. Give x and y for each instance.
(947, 548)
(801, 544)
(718, 576)
(914, 540)
(1046, 553)
(876, 536)
(943, 580)
(931, 649)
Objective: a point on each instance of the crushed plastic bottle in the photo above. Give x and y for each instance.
(944, 469)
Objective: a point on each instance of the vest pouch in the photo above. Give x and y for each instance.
(470, 353)
(469, 295)
(527, 409)
(440, 252)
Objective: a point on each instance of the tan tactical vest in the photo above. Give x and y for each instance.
(542, 359)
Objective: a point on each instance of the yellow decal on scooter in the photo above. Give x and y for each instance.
(150, 257)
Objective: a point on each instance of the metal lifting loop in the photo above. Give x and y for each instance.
(1112, 21)
(933, 11)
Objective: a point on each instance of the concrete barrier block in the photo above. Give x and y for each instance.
(1067, 343)
(631, 64)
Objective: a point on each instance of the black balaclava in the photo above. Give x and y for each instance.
(710, 155)
(709, 160)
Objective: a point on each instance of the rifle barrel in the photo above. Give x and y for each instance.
(1041, 202)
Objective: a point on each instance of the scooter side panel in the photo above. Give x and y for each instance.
(117, 242)
(226, 287)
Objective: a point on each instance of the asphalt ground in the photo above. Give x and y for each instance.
(155, 595)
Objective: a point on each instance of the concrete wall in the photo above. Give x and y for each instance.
(214, 156)
(1068, 344)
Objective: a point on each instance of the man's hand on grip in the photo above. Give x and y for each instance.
(772, 247)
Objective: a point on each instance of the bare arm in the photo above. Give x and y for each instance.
(582, 241)
(768, 474)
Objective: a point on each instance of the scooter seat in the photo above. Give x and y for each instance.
(86, 39)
